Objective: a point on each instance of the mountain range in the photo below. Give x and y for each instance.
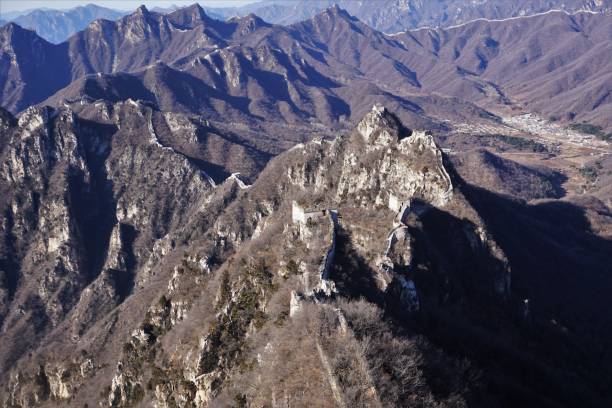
(200, 212)
(559, 60)
(388, 16)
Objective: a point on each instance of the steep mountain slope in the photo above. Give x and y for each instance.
(57, 25)
(80, 203)
(133, 42)
(398, 15)
(489, 171)
(203, 293)
(556, 63)
(30, 67)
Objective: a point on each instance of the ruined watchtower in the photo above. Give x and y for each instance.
(302, 215)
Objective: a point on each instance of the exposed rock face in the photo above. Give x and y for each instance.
(189, 291)
(83, 204)
(424, 177)
(31, 67)
(409, 171)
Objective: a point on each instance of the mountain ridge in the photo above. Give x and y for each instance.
(441, 260)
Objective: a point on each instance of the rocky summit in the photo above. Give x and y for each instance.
(203, 212)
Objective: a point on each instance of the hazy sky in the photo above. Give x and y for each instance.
(15, 5)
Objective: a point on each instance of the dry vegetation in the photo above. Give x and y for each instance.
(371, 364)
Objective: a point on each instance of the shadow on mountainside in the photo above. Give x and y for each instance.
(353, 276)
(557, 261)
(93, 204)
(564, 270)
(554, 356)
(557, 354)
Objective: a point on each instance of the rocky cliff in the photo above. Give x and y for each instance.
(88, 208)
(132, 277)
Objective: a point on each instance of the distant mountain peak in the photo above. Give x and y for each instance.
(91, 6)
(252, 22)
(142, 10)
(337, 11)
(143, 16)
(190, 16)
(252, 17)
(195, 9)
(332, 17)
(196, 6)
